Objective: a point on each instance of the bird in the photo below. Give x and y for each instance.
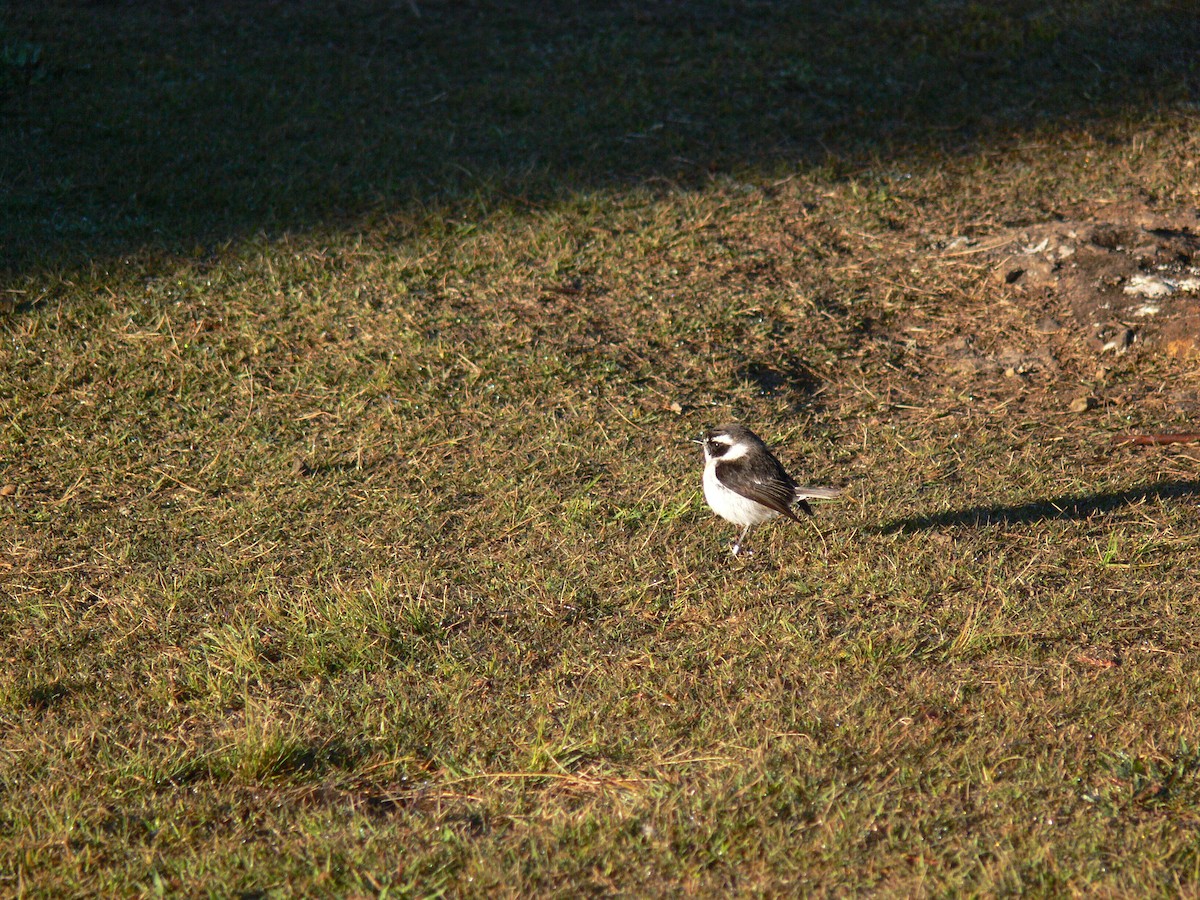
(745, 484)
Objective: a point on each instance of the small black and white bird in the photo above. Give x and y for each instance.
(745, 484)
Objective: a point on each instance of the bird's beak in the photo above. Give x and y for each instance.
(698, 441)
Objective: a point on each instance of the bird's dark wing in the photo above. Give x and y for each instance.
(766, 483)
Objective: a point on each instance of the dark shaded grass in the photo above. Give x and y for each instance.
(183, 127)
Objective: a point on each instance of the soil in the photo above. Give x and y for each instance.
(1121, 279)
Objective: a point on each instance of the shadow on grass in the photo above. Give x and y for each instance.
(1065, 507)
(789, 378)
(187, 125)
(272, 756)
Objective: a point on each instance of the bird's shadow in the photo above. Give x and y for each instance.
(1067, 506)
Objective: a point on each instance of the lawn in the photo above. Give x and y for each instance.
(351, 539)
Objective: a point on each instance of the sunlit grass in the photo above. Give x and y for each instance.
(366, 554)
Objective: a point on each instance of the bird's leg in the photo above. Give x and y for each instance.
(737, 548)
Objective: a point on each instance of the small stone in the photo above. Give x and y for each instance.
(8, 490)
(1082, 404)
(1181, 337)
(1183, 348)
(1151, 286)
(1119, 342)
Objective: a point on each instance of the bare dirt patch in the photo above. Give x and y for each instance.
(1122, 277)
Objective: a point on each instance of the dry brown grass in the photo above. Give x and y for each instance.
(369, 557)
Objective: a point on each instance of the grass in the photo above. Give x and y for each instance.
(355, 546)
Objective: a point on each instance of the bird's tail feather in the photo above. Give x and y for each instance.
(817, 493)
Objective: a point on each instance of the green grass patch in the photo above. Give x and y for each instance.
(350, 537)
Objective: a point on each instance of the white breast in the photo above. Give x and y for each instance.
(730, 505)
